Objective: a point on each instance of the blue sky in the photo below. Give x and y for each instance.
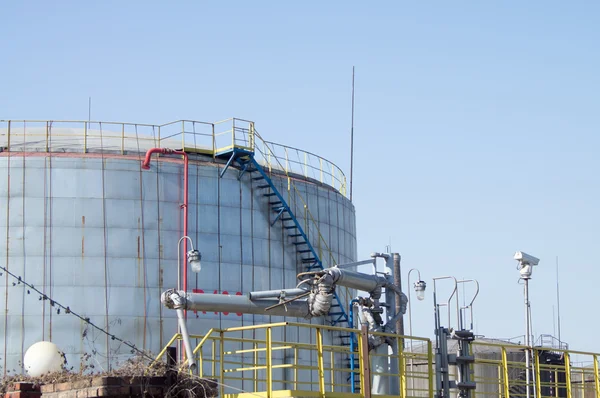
(476, 122)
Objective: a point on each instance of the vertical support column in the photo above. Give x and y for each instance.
(321, 168)
(331, 362)
(295, 368)
(214, 359)
(505, 384)
(582, 383)
(47, 134)
(123, 138)
(398, 282)
(305, 164)
(320, 362)
(183, 140)
(214, 145)
(8, 136)
(401, 366)
(430, 368)
(85, 127)
(568, 374)
(538, 383)
(200, 363)
(365, 366)
(222, 363)
(255, 365)
(269, 353)
(596, 381)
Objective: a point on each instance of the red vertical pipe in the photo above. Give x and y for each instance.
(146, 166)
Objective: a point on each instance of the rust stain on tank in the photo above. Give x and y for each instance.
(82, 236)
(140, 272)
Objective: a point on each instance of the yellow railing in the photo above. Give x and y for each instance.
(193, 136)
(252, 359)
(500, 372)
(266, 360)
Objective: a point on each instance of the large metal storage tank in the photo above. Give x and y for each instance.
(83, 222)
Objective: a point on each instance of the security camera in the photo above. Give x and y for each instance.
(526, 259)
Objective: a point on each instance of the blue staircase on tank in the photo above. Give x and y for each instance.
(246, 162)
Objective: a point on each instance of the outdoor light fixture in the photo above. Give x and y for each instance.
(194, 258)
(420, 290)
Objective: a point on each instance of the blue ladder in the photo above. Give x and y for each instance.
(310, 259)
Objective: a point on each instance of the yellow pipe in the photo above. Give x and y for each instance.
(331, 371)
(505, 374)
(596, 381)
(164, 350)
(583, 382)
(222, 359)
(568, 374)
(264, 326)
(538, 385)
(214, 358)
(296, 369)
(269, 364)
(256, 371)
(201, 343)
(401, 367)
(361, 375)
(320, 362)
(430, 365)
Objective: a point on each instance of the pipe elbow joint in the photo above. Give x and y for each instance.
(173, 299)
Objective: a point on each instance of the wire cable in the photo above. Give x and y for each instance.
(67, 310)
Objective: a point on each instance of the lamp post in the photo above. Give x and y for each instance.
(525, 267)
(193, 259)
(419, 287)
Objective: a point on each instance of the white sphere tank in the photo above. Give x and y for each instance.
(41, 358)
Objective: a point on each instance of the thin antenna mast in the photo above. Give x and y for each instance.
(558, 303)
(554, 323)
(90, 109)
(352, 137)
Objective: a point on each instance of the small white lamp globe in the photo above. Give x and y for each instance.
(41, 358)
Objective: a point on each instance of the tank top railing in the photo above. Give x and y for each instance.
(193, 136)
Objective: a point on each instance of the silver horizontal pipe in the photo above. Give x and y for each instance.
(356, 280)
(243, 304)
(289, 293)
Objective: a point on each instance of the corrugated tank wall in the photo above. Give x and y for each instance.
(99, 234)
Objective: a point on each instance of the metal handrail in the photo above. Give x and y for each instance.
(165, 135)
(226, 363)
